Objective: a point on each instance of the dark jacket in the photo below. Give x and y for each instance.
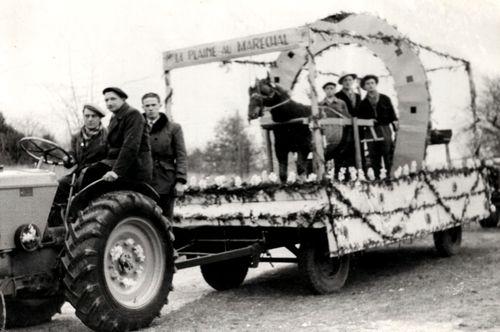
(129, 152)
(169, 154)
(352, 109)
(384, 112)
(86, 154)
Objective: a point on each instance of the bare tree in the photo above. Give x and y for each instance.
(488, 137)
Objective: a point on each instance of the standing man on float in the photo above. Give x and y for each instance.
(347, 94)
(379, 107)
(168, 151)
(129, 153)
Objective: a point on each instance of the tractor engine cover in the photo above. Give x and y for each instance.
(25, 198)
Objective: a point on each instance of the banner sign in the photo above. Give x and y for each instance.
(257, 44)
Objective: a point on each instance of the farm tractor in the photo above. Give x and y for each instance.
(109, 254)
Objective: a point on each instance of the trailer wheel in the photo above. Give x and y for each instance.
(448, 242)
(322, 273)
(226, 274)
(491, 221)
(30, 312)
(119, 262)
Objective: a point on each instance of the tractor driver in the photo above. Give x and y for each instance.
(379, 107)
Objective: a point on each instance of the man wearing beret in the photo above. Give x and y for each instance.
(129, 152)
(347, 94)
(331, 106)
(379, 107)
(168, 151)
(88, 146)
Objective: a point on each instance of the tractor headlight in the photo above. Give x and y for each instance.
(28, 237)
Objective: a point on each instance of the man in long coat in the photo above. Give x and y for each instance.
(379, 107)
(168, 151)
(129, 154)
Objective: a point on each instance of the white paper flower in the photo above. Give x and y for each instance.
(342, 170)
(311, 177)
(264, 176)
(341, 176)
(413, 167)
(489, 162)
(361, 175)
(139, 253)
(220, 180)
(383, 174)
(370, 174)
(477, 162)
(273, 177)
(203, 184)
(237, 182)
(406, 170)
(292, 177)
(353, 174)
(255, 180)
(397, 172)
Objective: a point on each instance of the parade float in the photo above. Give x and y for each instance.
(227, 225)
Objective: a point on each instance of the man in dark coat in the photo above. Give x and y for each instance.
(347, 94)
(129, 153)
(88, 146)
(379, 107)
(168, 151)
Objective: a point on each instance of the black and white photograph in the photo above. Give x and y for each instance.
(217, 165)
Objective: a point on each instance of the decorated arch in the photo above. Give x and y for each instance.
(400, 58)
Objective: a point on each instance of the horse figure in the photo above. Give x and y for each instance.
(295, 137)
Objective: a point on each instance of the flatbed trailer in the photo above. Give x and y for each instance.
(227, 227)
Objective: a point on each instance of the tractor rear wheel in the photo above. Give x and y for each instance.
(30, 312)
(226, 274)
(322, 273)
(448, 242)
(119, 262)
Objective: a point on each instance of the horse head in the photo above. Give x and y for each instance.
(262, 95)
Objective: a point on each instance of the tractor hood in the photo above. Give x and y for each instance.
(18, 178)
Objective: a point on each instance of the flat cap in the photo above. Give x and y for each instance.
(329, 83)
(368, 77)
(94, 108)
(119, 92)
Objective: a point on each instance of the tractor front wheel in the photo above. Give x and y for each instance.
(119, 262)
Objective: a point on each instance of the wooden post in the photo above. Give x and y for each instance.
(318, 150)
(168, 96)
(472, 88)
(269, 148)
(357, 145)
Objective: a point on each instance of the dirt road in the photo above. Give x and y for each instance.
(407, 288)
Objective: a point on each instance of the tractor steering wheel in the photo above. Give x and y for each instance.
(44, 150)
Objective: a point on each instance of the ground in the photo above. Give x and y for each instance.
(401, 288)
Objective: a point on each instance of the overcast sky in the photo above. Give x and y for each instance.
(48, 46)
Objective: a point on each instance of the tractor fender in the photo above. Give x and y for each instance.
(101, 187)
